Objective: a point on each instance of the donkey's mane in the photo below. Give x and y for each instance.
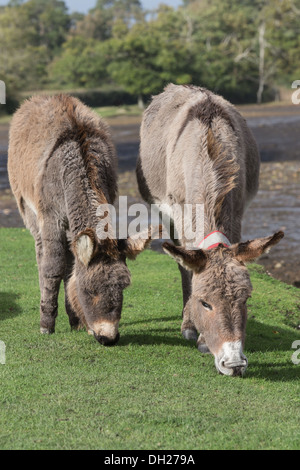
(84, 128)
(220, 166)
(225, 171)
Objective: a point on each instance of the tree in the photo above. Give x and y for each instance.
(23, 63)
(219, 32)
(50, 22)
(97, 24)
(83, 63)
(260, 37)
(278, 32)
(151, 55)
(30, 35)
(129, 11)
(101, 21)
(238, 48)
(243, 46)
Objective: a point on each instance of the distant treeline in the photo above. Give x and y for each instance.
(242, 49)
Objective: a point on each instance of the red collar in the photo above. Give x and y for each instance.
(214, 239)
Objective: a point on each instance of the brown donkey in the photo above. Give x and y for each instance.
(197, 149)
(62, 166)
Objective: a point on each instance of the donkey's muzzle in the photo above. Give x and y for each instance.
(105, 341)
(231, 360)
(234, 369)
(106, 332)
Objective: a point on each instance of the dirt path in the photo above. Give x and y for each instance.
(277, 205)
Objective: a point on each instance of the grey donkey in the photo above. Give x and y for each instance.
(197, 149)
(62, 166)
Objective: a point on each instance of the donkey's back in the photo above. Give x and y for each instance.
(38, 154)
(192, 143)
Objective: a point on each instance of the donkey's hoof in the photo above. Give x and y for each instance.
(46, 331)
(203, 348)
(190, 335)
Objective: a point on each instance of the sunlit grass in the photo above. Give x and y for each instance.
(153, 390)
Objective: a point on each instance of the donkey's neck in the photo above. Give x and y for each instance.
(82, 199)
(225, 222)
(82, 206)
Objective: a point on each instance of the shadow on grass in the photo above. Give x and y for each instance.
(261, 338)
(279, 372)
(8, 305)
(151, 338)
(155, 320)
(267, 338)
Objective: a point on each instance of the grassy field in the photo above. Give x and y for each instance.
(117, 111)
(105, 112)
(154, 390)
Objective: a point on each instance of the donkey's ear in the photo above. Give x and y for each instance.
(193, 260)
(253, 249)
(134, 245)
(84, 246)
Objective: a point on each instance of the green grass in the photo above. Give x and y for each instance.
(116, 111)
(105, 112)
(5, 118)
(152, 391)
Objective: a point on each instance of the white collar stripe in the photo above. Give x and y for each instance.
(213, 239)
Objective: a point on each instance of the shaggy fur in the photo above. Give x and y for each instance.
(62, 165)
(197, 149)
(218, 168)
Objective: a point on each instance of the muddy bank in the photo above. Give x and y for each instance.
(276, 207)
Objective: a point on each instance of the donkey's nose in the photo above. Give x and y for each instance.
(238, 371)
(105, 341)
(232, 364)
(236, 367)
(106, 332)
(231, 360)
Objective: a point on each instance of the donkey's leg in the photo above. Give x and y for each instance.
(50, 256)
(201, 345)
(38, 250)
(188, 328)
(52, 268)
(31, 223)
(186, 282)
(39, 257)
(186, 276)
(74, 320)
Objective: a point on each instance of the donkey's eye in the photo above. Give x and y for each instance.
(205, 305)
